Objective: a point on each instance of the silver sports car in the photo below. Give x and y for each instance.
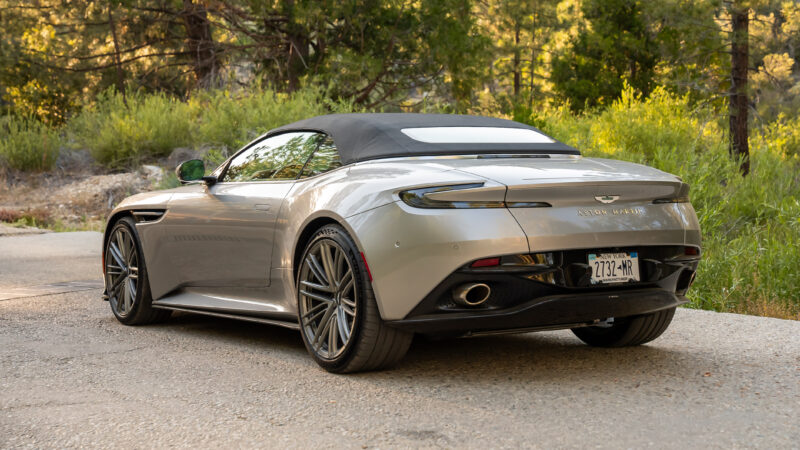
(361, 230)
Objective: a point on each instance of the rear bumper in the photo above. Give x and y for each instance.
(411, 251)
(548, 312)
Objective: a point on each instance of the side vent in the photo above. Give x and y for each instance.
(149, 215)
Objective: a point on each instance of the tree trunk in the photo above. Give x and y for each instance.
(297, 63)
(117, 64)
(516, 60)
(201, 43)
(533, 58)
(739, 146)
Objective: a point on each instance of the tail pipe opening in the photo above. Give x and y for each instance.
(471, 294)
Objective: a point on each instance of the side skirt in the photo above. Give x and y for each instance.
(242, 304)
(280, 323)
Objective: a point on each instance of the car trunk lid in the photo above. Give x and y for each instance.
(594, 203)
(575, 181)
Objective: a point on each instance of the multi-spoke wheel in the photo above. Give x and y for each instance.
(338, 316)
(126, 277)
(328, 299)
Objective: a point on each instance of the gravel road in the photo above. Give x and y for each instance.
(71, 376)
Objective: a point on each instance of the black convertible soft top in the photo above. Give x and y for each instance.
(361, 137)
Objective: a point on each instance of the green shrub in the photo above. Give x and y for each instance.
(228, 121)
(27, 144)
(120, 135)
(151, 125)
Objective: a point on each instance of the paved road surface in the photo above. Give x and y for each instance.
(71, 376)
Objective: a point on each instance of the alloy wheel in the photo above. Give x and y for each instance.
(328, 299)
(122, 271)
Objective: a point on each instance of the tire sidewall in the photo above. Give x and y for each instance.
(338, 235)
(630, 331)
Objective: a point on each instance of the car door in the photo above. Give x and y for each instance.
(222, 235)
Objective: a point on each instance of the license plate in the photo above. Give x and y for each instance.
(614, 267)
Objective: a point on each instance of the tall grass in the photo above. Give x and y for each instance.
(228, 121)
(27, 144)
(751, 225)
(123, 133)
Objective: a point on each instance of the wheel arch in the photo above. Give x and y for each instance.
(314, 223)
(114, 218)
(305, 236)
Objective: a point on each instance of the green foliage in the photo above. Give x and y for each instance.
(120, 135)
(228, 121)
(782, 136)
(150, 126)
(750, 224)
(27, 144)
(372, 53)
(59, 55)
(520, 28)
(616, 46)
(56, 56)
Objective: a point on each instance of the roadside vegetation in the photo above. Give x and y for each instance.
(750, 224)
(123, 131)
(27, 144)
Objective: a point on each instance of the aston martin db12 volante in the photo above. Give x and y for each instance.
(360, 230)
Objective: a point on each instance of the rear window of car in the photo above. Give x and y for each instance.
(325, 158)
(476, 135)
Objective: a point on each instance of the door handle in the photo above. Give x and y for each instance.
(263, 207)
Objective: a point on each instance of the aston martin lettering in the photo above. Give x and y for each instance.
(593, 212)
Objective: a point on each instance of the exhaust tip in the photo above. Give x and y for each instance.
(471, 294)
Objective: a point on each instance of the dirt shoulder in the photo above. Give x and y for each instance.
(69, 199)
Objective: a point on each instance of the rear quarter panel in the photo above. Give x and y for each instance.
(408, 250)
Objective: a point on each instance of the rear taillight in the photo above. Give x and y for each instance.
(528, 205)
(682, 196)
(659, 201)
(420, 198)
(691, 251)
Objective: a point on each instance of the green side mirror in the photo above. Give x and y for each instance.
(191, 170)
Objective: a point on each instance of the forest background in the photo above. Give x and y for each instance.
(705, 89)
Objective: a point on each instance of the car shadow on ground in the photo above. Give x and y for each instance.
(545, 356)
(237, 332)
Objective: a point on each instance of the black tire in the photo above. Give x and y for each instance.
(627, 331)
(140, 311)
(372, 345)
